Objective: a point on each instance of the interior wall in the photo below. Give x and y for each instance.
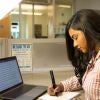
(52, 55)
(5, 27)
(87, 4)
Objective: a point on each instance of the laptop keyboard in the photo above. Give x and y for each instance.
(18, 91)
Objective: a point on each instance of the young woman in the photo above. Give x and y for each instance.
(83, 47)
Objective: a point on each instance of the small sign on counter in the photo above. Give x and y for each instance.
(23, 52)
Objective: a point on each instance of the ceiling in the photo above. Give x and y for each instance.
(49, 1)
(27, 8)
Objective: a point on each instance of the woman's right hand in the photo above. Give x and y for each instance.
(59, 88)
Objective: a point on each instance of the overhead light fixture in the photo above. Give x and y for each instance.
(64, 6)
(28, 13)
(30, 7)
(6, 6)
(38, 14)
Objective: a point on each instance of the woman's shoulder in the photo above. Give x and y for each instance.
(97, 61)
(97, 64)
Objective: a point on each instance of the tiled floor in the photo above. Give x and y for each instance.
(43, 78)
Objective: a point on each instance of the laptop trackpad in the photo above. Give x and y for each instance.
(24, 97)
(33, 94)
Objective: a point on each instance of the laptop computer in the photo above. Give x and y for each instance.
(11, 82)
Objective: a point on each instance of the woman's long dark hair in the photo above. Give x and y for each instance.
(88, 21)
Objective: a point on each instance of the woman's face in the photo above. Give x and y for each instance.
(78, 39)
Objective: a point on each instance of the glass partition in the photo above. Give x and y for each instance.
(63, 11)
(41, 19)
(22, 17)
(15, 23)
(26, 20)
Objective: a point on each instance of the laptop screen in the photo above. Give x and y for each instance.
(9, 73)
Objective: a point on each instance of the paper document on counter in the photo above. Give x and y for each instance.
(62, 96)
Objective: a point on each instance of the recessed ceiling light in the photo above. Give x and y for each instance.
(64, 6)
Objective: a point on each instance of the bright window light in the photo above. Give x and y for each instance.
(6, 6)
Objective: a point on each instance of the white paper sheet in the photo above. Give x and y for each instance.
(62, 96)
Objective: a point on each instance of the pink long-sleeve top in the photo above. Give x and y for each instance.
(90, 81)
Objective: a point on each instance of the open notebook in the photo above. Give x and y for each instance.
(11, 82)
(62, 96)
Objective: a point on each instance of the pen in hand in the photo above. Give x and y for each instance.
(53, 79)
